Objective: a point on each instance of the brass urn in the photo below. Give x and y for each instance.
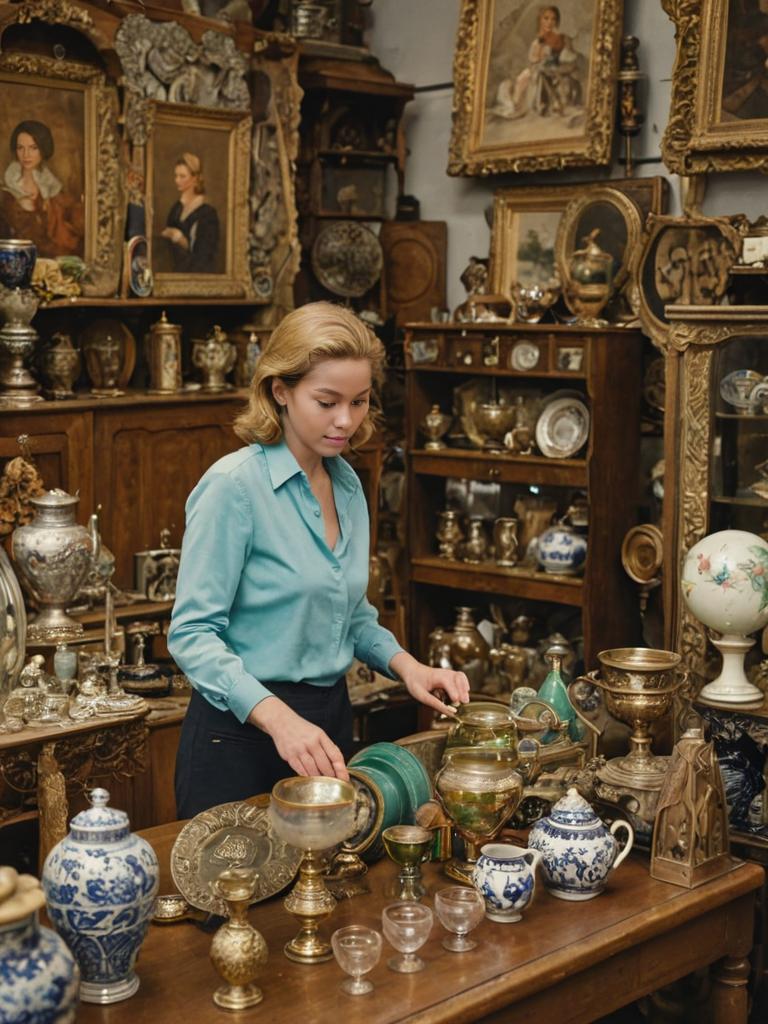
(238, 951)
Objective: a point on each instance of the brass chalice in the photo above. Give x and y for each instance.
(493, 420)
(479, 790)
(311, 813)
(408, 846)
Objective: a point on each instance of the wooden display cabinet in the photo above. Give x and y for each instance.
(604, 367)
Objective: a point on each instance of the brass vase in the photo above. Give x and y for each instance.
(590, 281)
(434, 425)
(493, 420)
(467, 642)
(505, 540)
(449, 533)
(164, 357)
(61, 366)
(475, 548)
(238, 951)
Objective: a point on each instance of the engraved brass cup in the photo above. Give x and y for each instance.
(311, 813)
(479, 790)
(493, 420)
(408, 846)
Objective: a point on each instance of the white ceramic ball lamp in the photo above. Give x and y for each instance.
(725, 585)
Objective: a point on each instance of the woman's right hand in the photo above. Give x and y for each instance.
(304, 746)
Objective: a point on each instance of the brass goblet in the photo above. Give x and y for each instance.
(479, 790)
(408, 846)
(311, 813)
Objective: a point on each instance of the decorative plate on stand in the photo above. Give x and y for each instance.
(563, 428)
(231, 835)
(347, 258)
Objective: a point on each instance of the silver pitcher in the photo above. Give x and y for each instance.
(53, 555)
(215, 356)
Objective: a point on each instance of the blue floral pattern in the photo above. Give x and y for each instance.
(38, 976)
(100, 897)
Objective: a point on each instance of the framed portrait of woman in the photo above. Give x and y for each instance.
(197, 201)
(534, 85)
(718, 119)
(60, 175)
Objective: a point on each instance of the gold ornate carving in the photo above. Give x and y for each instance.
(684, 260)
(469, 154)
(104, 206)
(697, 138)
(51, 801)
(57, 12)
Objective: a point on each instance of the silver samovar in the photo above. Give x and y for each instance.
(53, 555)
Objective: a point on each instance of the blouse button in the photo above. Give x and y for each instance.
(317, 513)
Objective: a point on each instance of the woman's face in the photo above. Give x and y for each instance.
(183, 178)
(325, 409)
(27, 152)
(547, 21)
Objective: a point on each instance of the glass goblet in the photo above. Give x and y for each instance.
(459, 910)
(357, 950)
(406, 927)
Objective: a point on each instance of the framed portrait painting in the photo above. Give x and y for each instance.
(534, 85)
(197, 201)
(60, 175)
(718, 117)
(526, 222)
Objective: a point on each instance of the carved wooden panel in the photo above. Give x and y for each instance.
(414, 261)
(146, 462)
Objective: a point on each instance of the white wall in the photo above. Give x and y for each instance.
(414, 39)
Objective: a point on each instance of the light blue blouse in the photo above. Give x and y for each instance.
(260, 595)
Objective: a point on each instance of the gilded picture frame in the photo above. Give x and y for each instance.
(718, 117)
(534, 85)
(197, 186)
(66, 113)
(528, 218)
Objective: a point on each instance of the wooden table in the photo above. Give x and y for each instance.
(565, 962)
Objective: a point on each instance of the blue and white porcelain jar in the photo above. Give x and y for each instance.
(578, 851)
(17, 261)
(505, 876)
(561, 550)
(38, 975)
(100, 884)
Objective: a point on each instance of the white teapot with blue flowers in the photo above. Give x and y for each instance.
(578, 851)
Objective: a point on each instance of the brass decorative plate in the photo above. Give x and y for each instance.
(347, 258)
(231, 835)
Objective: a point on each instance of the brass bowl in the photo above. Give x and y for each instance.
(493, 419)
(313, 812)
(639, 668)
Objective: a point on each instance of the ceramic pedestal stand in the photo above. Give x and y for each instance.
(732, 686)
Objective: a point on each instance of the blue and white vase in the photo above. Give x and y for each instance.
(17, 261)
(561, 550)
(578, 851)
(38, 975)
(100, 884)
(505, 876)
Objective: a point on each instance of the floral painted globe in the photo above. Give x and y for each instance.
(725, 585)
(725, 581)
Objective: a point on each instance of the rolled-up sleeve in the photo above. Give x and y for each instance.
(216, 545)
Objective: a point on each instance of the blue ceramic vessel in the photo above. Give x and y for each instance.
(505, 876)
(17, 261)
(100, 884)
(38, 975)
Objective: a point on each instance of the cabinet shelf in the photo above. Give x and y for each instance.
(725, 499)
(748, 416)
(131, 398)
(489, 578)
(504, 468)
(81, 302)
(499, 371)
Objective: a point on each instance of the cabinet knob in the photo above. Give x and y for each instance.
(494, 472)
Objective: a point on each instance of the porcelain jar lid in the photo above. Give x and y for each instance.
(573, 809)
(100, 823)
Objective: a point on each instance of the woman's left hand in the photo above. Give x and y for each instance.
(423, 682)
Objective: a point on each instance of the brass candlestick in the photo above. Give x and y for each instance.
(238, 951)
(313, 814)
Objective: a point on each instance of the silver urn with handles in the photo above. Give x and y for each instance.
(53, 555)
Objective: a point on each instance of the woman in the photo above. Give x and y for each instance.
(193, 224)
(537, 86)
(33, 202)
(270, 600)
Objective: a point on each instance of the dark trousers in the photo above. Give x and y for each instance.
(221, 759)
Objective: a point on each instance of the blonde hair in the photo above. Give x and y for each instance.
(194, 165)
(305, 337)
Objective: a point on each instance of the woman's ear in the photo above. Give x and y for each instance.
(279, 391)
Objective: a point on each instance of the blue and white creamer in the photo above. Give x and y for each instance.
(505, 876)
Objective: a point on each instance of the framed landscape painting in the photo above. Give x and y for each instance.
(534, 85)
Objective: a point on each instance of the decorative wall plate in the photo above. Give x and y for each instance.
(347, 258)
(525, 356)
(563, 428)
(231, 835)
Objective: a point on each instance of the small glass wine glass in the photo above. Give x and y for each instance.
(357, 950)
(406, 927)
(459, 910)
